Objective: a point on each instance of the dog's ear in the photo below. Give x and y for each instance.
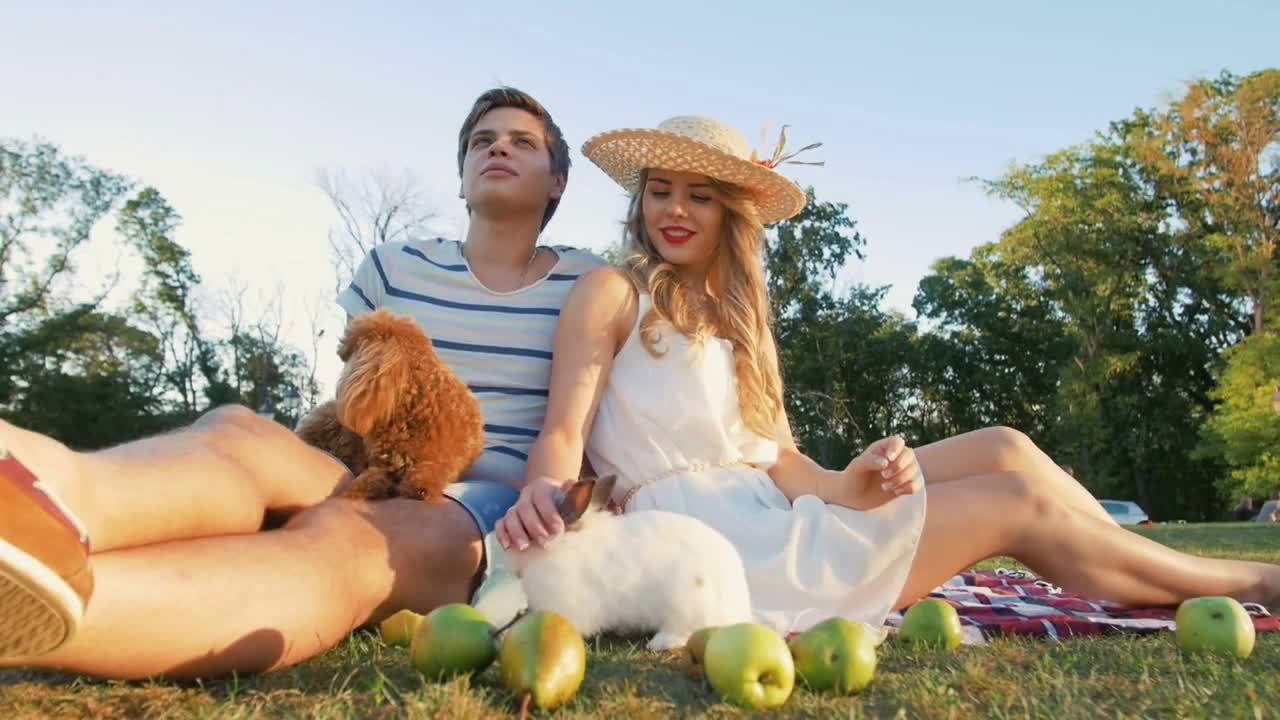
(352, 335)
(574, 502)
(374, 378)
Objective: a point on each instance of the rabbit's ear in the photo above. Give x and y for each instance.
(603, 491)
(573, 503)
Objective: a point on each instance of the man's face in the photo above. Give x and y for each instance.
(507, 168)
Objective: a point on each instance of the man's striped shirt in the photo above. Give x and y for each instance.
(498, 343)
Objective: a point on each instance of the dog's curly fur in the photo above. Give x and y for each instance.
(401, 420)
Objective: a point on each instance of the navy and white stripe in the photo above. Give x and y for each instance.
(498, 343)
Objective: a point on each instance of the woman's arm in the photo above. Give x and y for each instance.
(594, 322)
(885, 470)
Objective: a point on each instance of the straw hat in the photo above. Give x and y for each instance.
(706, 146)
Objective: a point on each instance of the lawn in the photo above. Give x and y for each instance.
(1094, 678)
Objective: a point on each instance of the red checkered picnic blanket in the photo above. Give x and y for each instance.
(1013, 602)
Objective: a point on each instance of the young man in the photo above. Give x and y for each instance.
(149, 558)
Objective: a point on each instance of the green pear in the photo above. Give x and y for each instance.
(934, 622)
(542, 659)
(398, 629)
(694, 649)
(452, 640)
(750, 665)
(1218, 625)
(836, 654)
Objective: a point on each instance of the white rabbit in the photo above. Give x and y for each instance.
(646, 571)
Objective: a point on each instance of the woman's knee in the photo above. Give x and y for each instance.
(1032, 504)
(1013, 449)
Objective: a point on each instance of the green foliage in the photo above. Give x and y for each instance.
(49, 203)
(1098, 322)
(92, 376)
(1213, 157)
(1245, 430)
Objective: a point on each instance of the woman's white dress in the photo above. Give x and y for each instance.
(672, 426)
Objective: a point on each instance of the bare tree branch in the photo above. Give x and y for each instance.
(375, 209)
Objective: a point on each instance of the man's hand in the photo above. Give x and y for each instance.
(534, 518)
(884, 471)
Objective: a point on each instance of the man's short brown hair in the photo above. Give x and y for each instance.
(509, 97)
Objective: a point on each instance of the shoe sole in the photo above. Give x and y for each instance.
(39, 611)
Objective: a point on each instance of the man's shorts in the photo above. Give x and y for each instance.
(486, 500)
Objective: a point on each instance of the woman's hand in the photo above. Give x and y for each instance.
(885, 470)
(534, 518)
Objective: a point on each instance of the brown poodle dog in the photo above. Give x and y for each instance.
(402, 421)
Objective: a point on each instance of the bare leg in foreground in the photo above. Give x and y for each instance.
(186, 585)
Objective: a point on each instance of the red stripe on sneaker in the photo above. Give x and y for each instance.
(14, 471)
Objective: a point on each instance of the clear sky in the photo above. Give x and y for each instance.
(229, 108)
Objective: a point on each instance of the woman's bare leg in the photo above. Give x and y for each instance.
(268, 600)
(217, 477)
(1001, 450)
(972, 519)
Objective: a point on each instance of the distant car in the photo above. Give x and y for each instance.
(1125, 512)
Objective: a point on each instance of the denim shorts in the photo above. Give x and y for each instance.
(486, 500)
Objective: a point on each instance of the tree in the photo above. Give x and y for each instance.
(49, 203)
(1144, 315)
(995, 348)
(1214, 156)
(165, 301)
(376, 209)
(1244, 430)
(844, 360)
(91, 376)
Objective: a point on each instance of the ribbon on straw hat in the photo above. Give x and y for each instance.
(706, 146)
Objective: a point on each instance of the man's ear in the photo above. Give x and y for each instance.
(558, 184)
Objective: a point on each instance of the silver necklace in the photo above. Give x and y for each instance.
(523, 273)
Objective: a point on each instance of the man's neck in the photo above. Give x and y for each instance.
(501, 243)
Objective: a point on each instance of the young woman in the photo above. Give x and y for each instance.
(665, 374)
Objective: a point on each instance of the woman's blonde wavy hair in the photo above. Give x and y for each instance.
(742, 314)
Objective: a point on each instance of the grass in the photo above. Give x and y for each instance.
(1109, 677)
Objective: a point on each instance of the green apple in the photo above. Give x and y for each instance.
(452, 640)
(932, 621)
(398, 628)
(1216, 625)
(836, 654)
(750, 665)
(542, 660)
(694, 649)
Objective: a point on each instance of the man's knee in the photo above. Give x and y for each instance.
(434, 550)
(290, 472)
(454, 546)
(229, 427)
(441, 555)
